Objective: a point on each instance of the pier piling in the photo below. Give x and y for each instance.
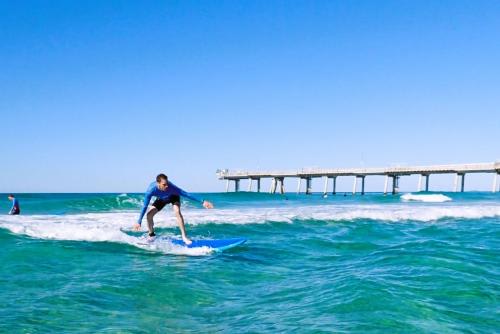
(272, 190)
(282, 185)
(354, 187)
(395, 184)
(460, 176)
(495, 183)
(334, 185)
(308, 185)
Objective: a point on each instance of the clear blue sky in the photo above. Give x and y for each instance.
(103, 95)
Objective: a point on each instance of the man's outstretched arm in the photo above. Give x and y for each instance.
(206, 204)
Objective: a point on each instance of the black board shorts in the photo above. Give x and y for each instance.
(160, 203)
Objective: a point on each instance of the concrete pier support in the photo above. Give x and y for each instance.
(236, 186)
(334, 185)
(274, 184)
(258, 185)
(277, 182)
(395, 184)
(308, 185)
(227, 185)
(420, 178)
(281, 182)
(249, 185)
(462, 183)
(385, 184)
(495, 183)
(325, 188)
(362, 177)
(298, 185)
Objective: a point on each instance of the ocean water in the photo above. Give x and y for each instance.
(409, 263)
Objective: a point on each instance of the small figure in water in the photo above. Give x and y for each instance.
(166, 192)
(15, 210)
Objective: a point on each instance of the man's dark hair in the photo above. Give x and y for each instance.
(10, 195)
(161, 177)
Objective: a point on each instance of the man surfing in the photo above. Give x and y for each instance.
(166, 193)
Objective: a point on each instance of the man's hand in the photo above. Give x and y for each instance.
(137, 227)
(208, 205)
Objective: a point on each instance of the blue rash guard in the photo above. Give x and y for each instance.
(163, 195)
(15, 207)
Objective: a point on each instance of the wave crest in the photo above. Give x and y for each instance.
(435, 198)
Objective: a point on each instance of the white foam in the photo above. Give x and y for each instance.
(123, 198)
(94, 227)
(385, 212)
(164, 245)
(435, 198)
(106, 227)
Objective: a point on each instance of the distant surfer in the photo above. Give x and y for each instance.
(15, 210)
(166, 193)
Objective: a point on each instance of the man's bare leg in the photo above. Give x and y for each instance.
(151, 213)
(180, 221)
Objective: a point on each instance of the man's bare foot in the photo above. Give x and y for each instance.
(187, 241)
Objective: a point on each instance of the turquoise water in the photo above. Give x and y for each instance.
(351, 264)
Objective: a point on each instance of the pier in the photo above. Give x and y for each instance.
(329, 176)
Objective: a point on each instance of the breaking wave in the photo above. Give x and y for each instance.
(108, 226)
(435, 198)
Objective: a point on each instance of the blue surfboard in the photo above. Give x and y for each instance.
(217, 245)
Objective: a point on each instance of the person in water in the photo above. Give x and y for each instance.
(166, 193)
(15, 210)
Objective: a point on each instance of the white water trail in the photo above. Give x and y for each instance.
(94, 227)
